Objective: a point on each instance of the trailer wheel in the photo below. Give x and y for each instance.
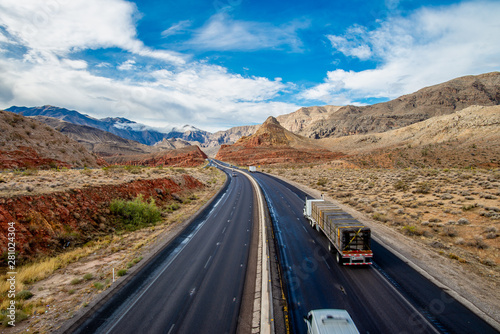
(330, 247)
(340, 260)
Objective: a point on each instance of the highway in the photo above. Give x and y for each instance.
(388, 297)
(196, 284)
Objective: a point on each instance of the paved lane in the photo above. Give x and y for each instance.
(195, 285)
(389, 297)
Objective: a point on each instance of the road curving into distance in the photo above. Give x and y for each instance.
(388, 297)
(195, 285)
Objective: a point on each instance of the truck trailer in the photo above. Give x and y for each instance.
(347, 237)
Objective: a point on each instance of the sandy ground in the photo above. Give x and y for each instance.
(445, 222)
(59, 296)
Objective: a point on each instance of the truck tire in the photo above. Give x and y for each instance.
(331, 249)
(340, 260)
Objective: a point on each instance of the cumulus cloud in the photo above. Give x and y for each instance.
(223, 33)
(429, 46)
(127, 65)
(60, 27)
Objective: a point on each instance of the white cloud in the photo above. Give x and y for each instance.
(177, 28)
(127, 65)
(60, 27)
(223, 33)
(430, 46)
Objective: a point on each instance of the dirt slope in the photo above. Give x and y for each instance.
(27, 143)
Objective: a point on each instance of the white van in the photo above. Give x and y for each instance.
(329, 321)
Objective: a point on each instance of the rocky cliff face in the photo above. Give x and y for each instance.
(273, 144)
(27, 143)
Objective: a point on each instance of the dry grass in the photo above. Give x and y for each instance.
(450, 209)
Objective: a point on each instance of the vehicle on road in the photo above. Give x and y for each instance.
(330, 321)
(252, 169)
(347, 237)
(235, 174)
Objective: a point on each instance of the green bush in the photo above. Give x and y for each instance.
(23, 295)
(137, 213)
(98, 285)
(88, 276)
(122, 272)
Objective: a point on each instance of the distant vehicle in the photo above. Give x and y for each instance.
(235, 174)
(330, 321)
(252, 169)
(347, 237)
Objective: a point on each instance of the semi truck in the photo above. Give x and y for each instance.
(347, 237)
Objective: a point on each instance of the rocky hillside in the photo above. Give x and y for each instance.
(441, 99)
(273, 144)
(189, 156)
(466, 138)
(171, 144)
(27, 143)
(100, 142)
(298, 121)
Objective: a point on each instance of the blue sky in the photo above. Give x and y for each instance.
(223, 63)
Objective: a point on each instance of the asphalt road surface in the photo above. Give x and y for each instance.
(388, 297)
(195, 285)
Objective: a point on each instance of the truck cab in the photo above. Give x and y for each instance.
(330, 321)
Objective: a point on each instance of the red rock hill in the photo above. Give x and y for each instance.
(273, 144)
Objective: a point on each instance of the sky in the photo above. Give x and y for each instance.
(215, 64)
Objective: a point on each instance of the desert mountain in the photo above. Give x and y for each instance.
(467, 138)
(231, 135)
(188, 156)
(95, 140)
(299, 120)
(171, 144)
(116, 125)
(272, 144)
(441, 99)
(26, 143)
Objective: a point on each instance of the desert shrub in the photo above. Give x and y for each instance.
(75, 281)
(133, 169)
(23, 295)
(468, 207)
(423, 188)
(98, 285)
(401, 185)
(411, 230)
(380, 217)
(88, 276)
(322, 182)
(450, 231)
(173, 207)
(478, 242)
(137, 213)
(86, 171)
(122, 272)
